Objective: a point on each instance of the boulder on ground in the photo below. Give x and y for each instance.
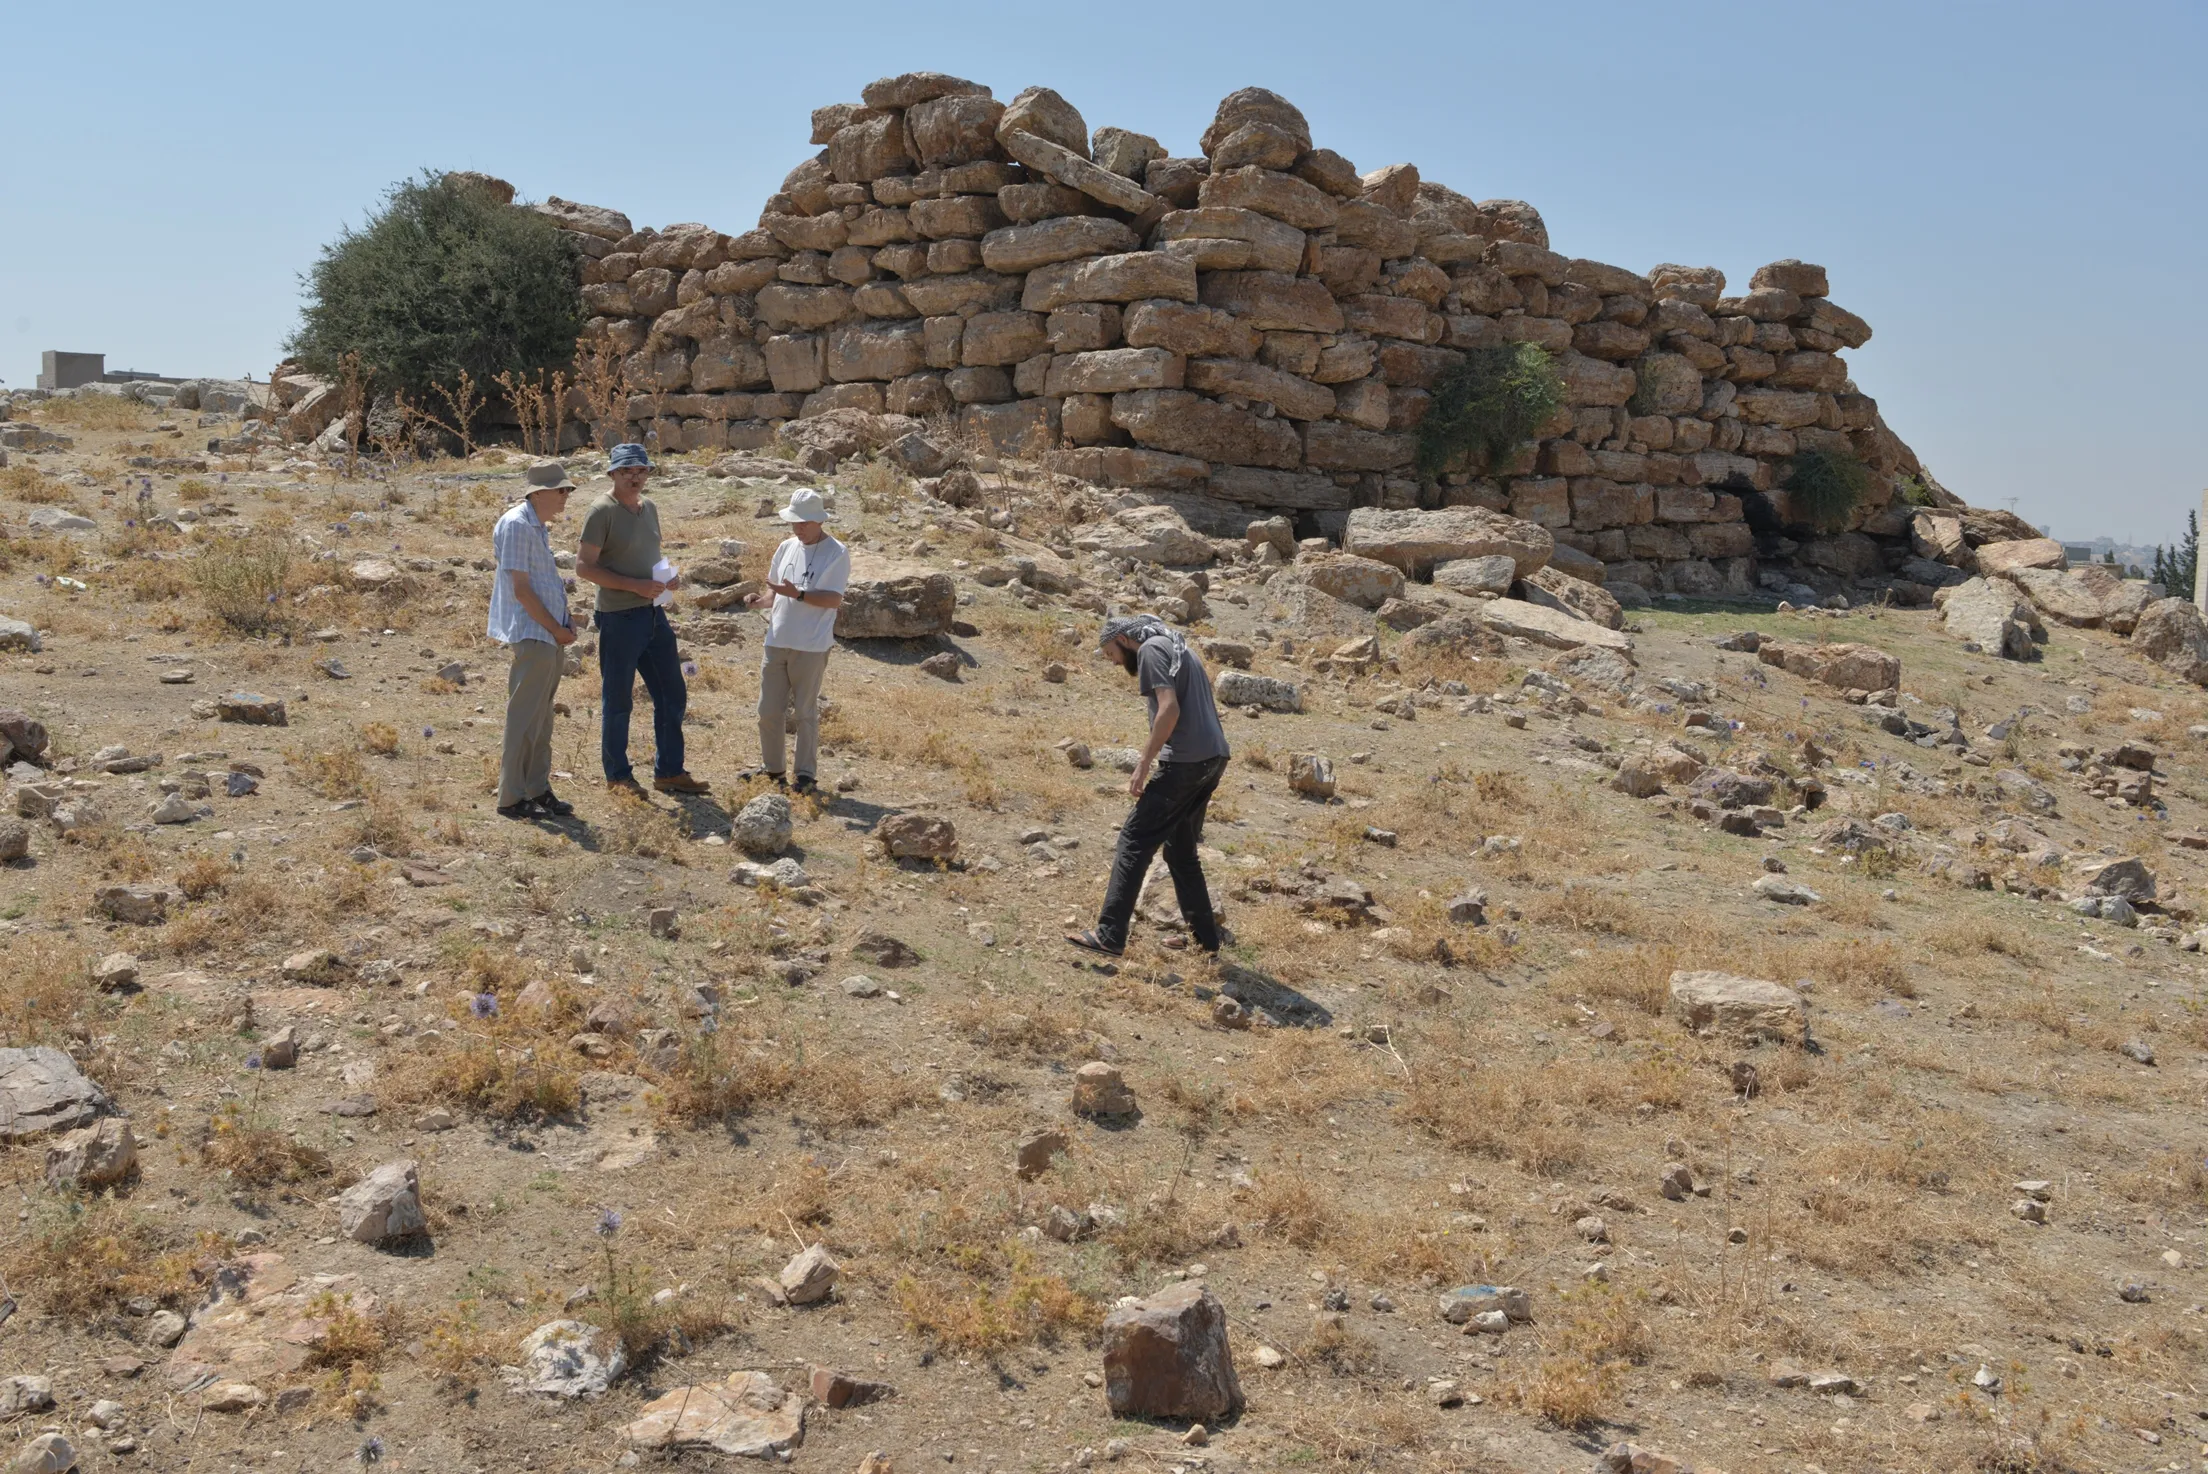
(384, 1205)
(1992, 615)
(1168, 1357)
(1492, 574)
(1567, 594)
(747, 1416)
(809, 1277)
(1995, 559)
(763, 826)
(1100, 1090)
(1311, 774)
(889, 601)
(2172, 631)
(251, 709)
(42, 1090)
(1365, 582)
(918, 837)
(1746, 1008)
(1147, 534)
(568, 1358)
(1240, 688)
(1845, 667)
(1415, 541)
(99, 1155)
(1551, 627)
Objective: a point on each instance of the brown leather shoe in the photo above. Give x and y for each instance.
(628, 786)
(681, 783)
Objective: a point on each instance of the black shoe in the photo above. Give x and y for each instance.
(551, 803)
(525, 808)
(805, 784)
(750, 774)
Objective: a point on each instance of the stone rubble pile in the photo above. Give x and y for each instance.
(1251, 329)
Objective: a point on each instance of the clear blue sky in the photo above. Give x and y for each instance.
(2013, 194)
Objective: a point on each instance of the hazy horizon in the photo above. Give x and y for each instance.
(1974, 178)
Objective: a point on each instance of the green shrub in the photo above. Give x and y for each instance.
(242, 581)
(442, 281)
(1824, 487)
(1484, 409)
(1913, 491)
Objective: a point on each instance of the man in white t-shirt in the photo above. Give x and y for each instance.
(805, 583)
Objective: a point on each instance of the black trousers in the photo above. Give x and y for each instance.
(1169, 815)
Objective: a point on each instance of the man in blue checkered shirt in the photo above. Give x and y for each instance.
(529, 616)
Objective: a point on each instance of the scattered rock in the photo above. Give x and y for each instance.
(116, 971)
(1240, 688)
(1992, 615)
(99, 1155)
(1036, 1149)
(252, 709)
(135, 905)
(918, 837)
(832, 1388)
(1167, 1357)
(48, 1453)
(1099, 1090)
(883, 950)
(1747, 1008)
(383, 1206)
(1785, 892)
(42, 1090)
(747, 1416)
(763, 827)
(1311, 774)
(944, 665)
(21, 1396)
(568, 1358)
(808, 1278)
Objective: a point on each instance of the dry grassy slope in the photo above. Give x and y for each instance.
(1967, 1040)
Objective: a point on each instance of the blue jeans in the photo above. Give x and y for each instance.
(632, 643)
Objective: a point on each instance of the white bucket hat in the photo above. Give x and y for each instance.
(805, 506)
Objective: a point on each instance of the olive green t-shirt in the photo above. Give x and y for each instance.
(628, 543)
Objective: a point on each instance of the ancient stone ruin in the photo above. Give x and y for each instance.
(1249, 331)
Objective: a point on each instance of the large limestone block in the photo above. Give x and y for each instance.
(785, 306)
(1189, 424)
(1543, 624)
(1745, 1008)
(1127, 277)
(1002, 338)
(2067, 597)
(1845, 667)
(910, 89)
(1274, 244)
(1168, 1357)
(1025, 247)
(949, 131)
(1273, 301)
(960, 217)
(864, 151)
(1297, 398)
(1566, 594)
(2172, 632)
(1149, 534)
(1247, 105)
(962, 294)
(1366, 582)
(1113, 370)
(1285, 490)
(1415, 540)
(875, 351)
(384, 1205)
(1123, 152)
(1334, 446)
(1269, 192)
(590, 220)
(1991, 614)
(1590, 381)
(1042, 113)
(42, 1090)
(894, 601)
(1995, 559)
(1072, 169)
(1190, 329)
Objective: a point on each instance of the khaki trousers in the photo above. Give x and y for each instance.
(525, 762)
(791, 678)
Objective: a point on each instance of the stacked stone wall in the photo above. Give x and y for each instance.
(1254, 328)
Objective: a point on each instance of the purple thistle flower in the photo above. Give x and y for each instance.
(370, 1451)
(484, 1005)
(428, 732)
(689, 667)
(252, 1061)
(609, 1223)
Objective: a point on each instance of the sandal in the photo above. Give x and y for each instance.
(1087, 942)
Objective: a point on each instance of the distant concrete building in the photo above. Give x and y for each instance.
(59, 370)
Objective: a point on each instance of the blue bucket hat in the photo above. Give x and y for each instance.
(627, 454)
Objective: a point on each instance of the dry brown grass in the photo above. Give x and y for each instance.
(46, 993)
(79, 1259)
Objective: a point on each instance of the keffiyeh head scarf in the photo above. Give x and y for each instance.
(1143, 628)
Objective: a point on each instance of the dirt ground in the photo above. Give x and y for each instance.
(1423, 1104)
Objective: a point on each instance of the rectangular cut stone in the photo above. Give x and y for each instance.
(794, 363)
(962, 296)
(1189, 424)
(1207, 331)
(1074, 172)
(943, 338)
(1022, 427)
(1003, 337)
(1113, 370)
(1128, 465)
(1721, 540)
(1416, 366)
(1035, 203)
(1282, 196)
(1298, 399)
(875, 350)
(1274, 245)
(1333, 446)
(965, 216)
(1390, 317)
(1597, 504)
(1686, 504)
(1129, 277)
(1378, 229)
(1273, 301)
(880, 228)
(1542, 499)
(1084, 327)
(1288, 490)
(1025, 247)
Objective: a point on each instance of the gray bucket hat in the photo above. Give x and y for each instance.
(545, 476)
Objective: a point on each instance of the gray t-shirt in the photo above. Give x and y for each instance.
(1197, 735)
